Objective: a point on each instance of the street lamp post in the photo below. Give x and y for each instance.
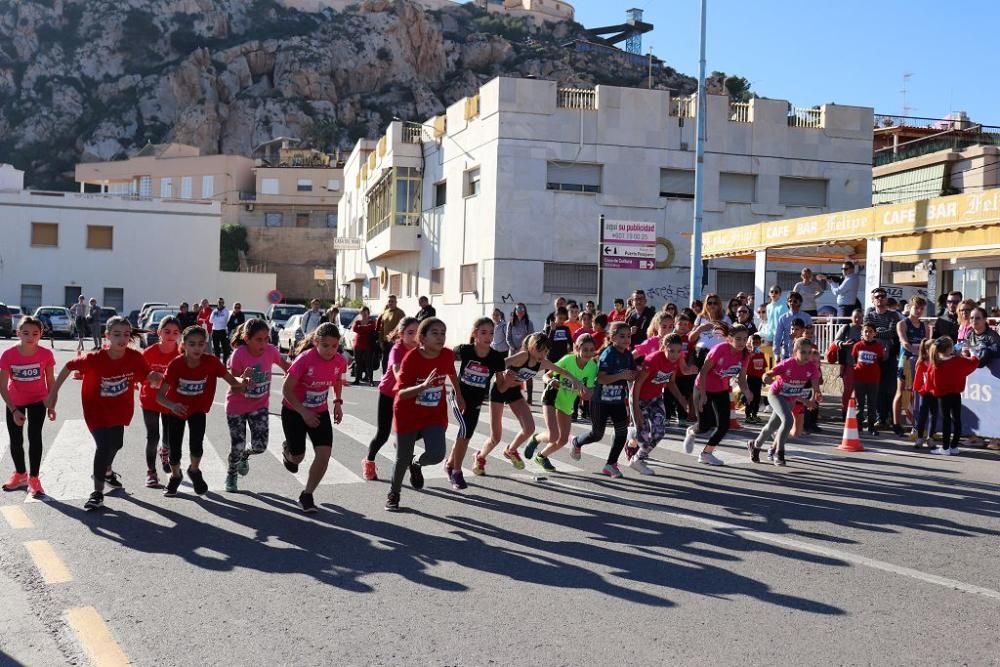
(699, 171)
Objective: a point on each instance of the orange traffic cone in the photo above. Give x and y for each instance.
(734, 414)
(851, 441)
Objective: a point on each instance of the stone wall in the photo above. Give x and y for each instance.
(294, 254)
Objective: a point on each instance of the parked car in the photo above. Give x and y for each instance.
(105, 315)
(59, 320)
(290, 333)
(277, 315)
(255, 315)
(15, 315)
(7, 327)
(133, 318)
(153, 323)
(347, 317)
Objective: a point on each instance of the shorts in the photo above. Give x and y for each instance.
(549, 396)
(295, 430)
(512, 395)
(468, 420)
(904, 370)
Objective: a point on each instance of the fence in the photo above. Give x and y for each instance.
(739, 112)
(411, 134)
(577, 98)
(798, 117)
(684, 107)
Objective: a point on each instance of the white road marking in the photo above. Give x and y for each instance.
(68, 463)
(363, 432)
(213, 467)
(336, 473)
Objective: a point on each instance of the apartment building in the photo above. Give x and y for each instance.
(122, 251)
(498, 200)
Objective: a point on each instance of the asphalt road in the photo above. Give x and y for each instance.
(887, 557)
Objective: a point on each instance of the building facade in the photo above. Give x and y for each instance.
(498, 201)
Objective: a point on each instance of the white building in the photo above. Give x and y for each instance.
(498, 200)
(58, 245)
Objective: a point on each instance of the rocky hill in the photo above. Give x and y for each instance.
(98, 79)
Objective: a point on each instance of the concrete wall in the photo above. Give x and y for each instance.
(293, 255)
(11, 179)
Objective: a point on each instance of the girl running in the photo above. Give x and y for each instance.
(615, 370)
(405, 337)
(649, 414)
(305, 410)
(792, 378)
(521, 367)
(928, 407)
(155, 415)
(478, 363)
(26, 374)
(946, 377)
(253, 356)
(725, 362)
(187, 391)
(110, 376)
(560, 398)
(420, 411)
(661, 325)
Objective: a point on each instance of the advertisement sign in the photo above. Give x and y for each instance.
(621, 231)
(979, 415)
(345, 243)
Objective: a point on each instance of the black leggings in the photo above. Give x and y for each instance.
(384, 426)
(755, 385)
(363, 366)
(175, 436)
(951, 416)
(35, 414)
(109, 441)
(715, 415)
(153, 420)
(599, 413)
(928, 411)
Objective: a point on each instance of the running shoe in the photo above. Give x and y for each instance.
(689, 437)
(416, 476)
(941, 451)
(165, 459)
(18, 480)
(197, 481)
(243, 467)
(529, 450)
(770, 454)
(448, 469)
(392, 502)
(753, 451)
(152, 479)
(35, 487)
(95, 502)
(113, 480)
(779, 459)
(994, 445)
(639, 465)
(612, 471)
(544, 462)
(368, 470)
(458, 480)
(514, 457)
(173, 484)
(576, 453)
(289, 466)
(306, 503)
(709, 458)
(232, 483)
(954, 451)
(479, 465)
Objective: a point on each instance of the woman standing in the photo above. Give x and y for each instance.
(364, 345)
(911, 332)
(519, 328)
(710, 328)
(499, 332)
(848, 335)
(745, 317)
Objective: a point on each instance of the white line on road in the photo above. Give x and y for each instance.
(336, 473)
(68, 463)
(363, 432)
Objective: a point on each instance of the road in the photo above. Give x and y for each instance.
(885, 557)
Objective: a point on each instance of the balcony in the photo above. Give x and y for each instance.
(394, 213)
(388, 240)
(577, 98)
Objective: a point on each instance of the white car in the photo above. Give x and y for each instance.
(290, 334)
(15, 316)
(58, 318)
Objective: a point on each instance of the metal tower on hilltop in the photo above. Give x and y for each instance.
(634, 42)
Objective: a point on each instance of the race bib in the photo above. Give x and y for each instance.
(476, 375)
(731, 372)
(758, 364)
(560, 336)
(430, 398)
(191, 387)
(867, 357)
(663, 378)
(524, 374)
(114, 386)
(27, 373)
(793, 388)
(315, 399)
(613, 393)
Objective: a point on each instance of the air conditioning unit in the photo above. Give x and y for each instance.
(249, 207)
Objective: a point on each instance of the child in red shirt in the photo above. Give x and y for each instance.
(868, 353)
(420, 410)
(187, 391)
(155, 415)
(928, 402)
(755, 380)
(946, 377)
(110, 377)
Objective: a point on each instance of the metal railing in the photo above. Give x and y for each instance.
(799, 117)
(684, 107)
(739, 112)
(412, 134)
(577, 98)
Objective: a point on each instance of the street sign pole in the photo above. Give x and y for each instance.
(699, 169)
(600, 264)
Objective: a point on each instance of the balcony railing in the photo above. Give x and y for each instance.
(798, 117)
(412, 134)
(577, 98)
(739, 112)
(684, 107)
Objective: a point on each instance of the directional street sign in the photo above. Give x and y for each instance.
(628, 256)
(628, 263)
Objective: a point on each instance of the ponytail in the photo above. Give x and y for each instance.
(397, 333)
(246, 331)
(325, 330)
(939, 348)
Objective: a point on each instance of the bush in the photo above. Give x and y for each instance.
(232, 241)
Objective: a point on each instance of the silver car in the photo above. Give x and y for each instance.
(290, 334)
(58, 318)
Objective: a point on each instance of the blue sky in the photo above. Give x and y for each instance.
(845, 51)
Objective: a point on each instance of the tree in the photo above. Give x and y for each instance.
(232, 241)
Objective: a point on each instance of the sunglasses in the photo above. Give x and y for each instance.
(774, 291)
(742, 312)
(953, 303)
(713, 303)
(878, 296)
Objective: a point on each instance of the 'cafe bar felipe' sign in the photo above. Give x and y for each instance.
(628, 245)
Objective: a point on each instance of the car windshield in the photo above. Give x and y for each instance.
(284, 312)
(158, 315)
(14, 310)
(51, 312)
(347, 316)
(253, 314)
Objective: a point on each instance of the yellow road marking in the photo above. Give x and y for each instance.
(16, 517)
(48, 563)
(95, 637)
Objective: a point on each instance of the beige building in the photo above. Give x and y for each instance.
(538, 11)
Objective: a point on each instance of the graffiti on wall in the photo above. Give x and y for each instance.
(679, 295)
(507, 298)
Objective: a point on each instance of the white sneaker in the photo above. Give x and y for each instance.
(640, 467)
(954, 451)
(692, 433)
(941, 451)
(709, 459)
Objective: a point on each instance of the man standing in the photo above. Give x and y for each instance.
(847, 291)
(885, 321)
(94, 322)
(312, 318)
(385, 325)
(560, 302)
(79, 313)
(186, 317)
(809, 289)
(426, 309)
(220, 334)
(783, 329)
(947, 324)
(640, 317)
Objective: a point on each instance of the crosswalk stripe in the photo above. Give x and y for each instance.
(363, 432)
(68, 463)
(213, 467)
(336, 473)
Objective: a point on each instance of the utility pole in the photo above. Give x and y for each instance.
(651, 68)
(699, 170)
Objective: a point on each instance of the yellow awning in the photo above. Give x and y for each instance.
(978, 242)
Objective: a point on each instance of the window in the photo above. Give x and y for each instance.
(70, 294)
(733, 282)
(333, 185)
(802, 192)
(145, 187)
(100, 237)
(304, 185)
(207, 187)
(560, 278)
(269, 186)
(272, 220)
(573, 177)
(394, 199)
(440, 193)
(31, 298)
(437, 281)
(373, 288)
(738, 188)
(166, 188)
(186, 187)
(471, 183)
(44, 234)
(786, 281)
(396, 283)
(467, 278)
(114, 297)
(331, 220)
(677, 183)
